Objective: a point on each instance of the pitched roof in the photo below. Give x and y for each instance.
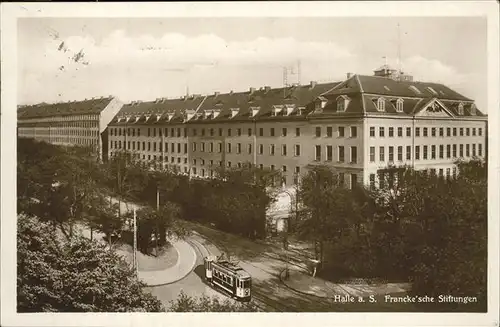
(88, 106)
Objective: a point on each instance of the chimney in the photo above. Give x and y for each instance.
(267, 88)
(217, 93)
(349, 75)
(252, 90)
(313, 84)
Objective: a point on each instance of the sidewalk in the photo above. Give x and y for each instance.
(185, 264)
(302, 282)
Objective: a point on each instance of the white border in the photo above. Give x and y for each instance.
(11, 11)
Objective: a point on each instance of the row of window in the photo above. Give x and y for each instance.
(435, 152)
(73, 118)
(425, 131)
(57, 131)
(385, 177)
(136, 145)
(318, 155)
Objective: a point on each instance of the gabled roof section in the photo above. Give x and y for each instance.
(433, 108)
(87, 106)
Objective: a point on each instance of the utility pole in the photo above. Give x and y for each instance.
(136, 268)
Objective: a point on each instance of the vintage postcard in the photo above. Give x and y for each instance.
(262, 162)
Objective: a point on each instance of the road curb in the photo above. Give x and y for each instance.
(180, 277)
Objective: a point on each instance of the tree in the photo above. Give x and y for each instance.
(75, 275)
(328, 208)
(185, 303)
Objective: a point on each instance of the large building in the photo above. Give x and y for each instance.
(359, 126)
(81, 123)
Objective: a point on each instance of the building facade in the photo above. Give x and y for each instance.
(359, 126)
(75, 123)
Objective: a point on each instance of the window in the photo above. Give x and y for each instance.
(261, 149)
(473, 150)
(211, 147)
(425, 131)
(417, 152)
(283, 131)
(318, 131)
(400, 131)
(297, 131)
(297, 150)
(354, 180)
(381, 131)
(354, 154)
(467, 131)
(229, 163)
(454, 131)
(408, 152)
(461, 131)
(454, 147)
(381, 154)
(441, 131)
(154, 146)
(408, 131)
(400, 153)
(249, 148)
(461, 147)
(271, 132)
(467, 152)
(149, 132)
(261, 132)
(391, 154)
(372, 154)
(229, 148)
(372, 131)
(238, 131)
(149, 146)
(441, 151)
(354, 131)
(283, 150)
(448, 131)
(317, 153)
(203, 147)
(474, 131)
(433, 131)
(391, 131)
(399, 105)
(271, 149)
(220, 131)
(220, 147)
(448, 151)
(340, 104)
(461, 109)
(425, 152)
(329, 131)
(433, 152)
(480, 149)
(380, 104)
(341, 131)
(249, 132)
(480, 131)
(238, 148)
(341, 153)
(329, 153)
(372, 181)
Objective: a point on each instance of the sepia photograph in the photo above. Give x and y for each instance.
(250, 158)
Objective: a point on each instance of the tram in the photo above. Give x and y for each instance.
(229, 277)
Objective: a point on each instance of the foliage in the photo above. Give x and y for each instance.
(78, 275)
(416, 227)
(185, 303)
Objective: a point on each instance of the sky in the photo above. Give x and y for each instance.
(62, 59)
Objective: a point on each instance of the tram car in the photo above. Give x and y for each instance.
(229, 277)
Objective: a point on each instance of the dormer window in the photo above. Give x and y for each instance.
(430, 89)
(277, 110)
(320, 104)
(399, 105)
(255, 111)
(342, 103)
(461, 109)
(289, 109)
(381, 104)
(234, 112)
(473, 109)
(414, 89)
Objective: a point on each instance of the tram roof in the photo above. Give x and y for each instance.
(231, 267)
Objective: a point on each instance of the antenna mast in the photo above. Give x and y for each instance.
(399, 50)
(298, 72)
